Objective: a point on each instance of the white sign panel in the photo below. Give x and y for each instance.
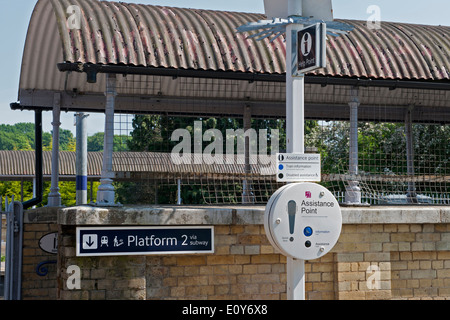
(296, 167)
(303, 221)
(319, 9)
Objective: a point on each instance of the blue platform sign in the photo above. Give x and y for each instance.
(124, 241)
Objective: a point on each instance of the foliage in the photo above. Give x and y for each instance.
(153, 133)
(21, 137)
(382, 149)
(96, 143)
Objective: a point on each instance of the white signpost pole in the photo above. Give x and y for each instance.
(295, 136)
(295, 87)
(288, 14)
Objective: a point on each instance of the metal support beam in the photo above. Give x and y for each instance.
(81, 163)
(54, 197)
(411, 196)
(179, 199)
(246, 76)
(105, 193)
(14, 251)
(295, 279)
(247, 196)
(295, 136)
(295, 97)
(353, 191)
(38, 180)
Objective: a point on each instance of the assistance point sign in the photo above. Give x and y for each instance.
(297, 167)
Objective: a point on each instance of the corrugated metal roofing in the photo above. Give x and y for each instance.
(154, 36)
(114, 33)
(22, 164)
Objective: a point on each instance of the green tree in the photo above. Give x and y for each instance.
(21, 137)
(96, 143)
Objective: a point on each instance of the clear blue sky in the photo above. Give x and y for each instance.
(15, 16)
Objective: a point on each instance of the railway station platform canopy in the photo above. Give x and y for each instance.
(189, 62)
(170, 55)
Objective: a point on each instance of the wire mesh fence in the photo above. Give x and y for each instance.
(402, 143)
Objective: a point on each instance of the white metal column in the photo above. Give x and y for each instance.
(81, 163)
(105, 193)
(295, 136)
(54, 197)
(353, 191)
(411, 196)
(246, 186)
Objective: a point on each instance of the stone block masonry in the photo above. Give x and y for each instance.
(38, 223)
(383, 253)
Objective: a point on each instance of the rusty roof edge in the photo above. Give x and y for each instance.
(248, 76)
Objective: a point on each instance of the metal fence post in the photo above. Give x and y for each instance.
(2, 278)
(8, 255)
(14, 243)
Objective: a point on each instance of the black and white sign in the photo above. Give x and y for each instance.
(311, 48)
(121, 241)
(49, 243)
(297, 167)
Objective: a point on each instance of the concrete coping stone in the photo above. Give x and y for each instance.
(238, 215)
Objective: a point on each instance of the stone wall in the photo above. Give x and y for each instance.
(383, 253)
(38, 223)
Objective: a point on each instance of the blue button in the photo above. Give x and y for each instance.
(281, 167)
(308, 231)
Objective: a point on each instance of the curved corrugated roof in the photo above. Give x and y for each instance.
(114, 33)
(22, 164)
(154, 36)
(396, 51)
(195, 63)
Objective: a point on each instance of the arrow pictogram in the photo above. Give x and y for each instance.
(90, 242)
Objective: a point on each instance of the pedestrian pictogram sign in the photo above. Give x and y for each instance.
(120, 241)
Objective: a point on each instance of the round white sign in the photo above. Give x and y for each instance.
(49, 243)
(303, 220)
